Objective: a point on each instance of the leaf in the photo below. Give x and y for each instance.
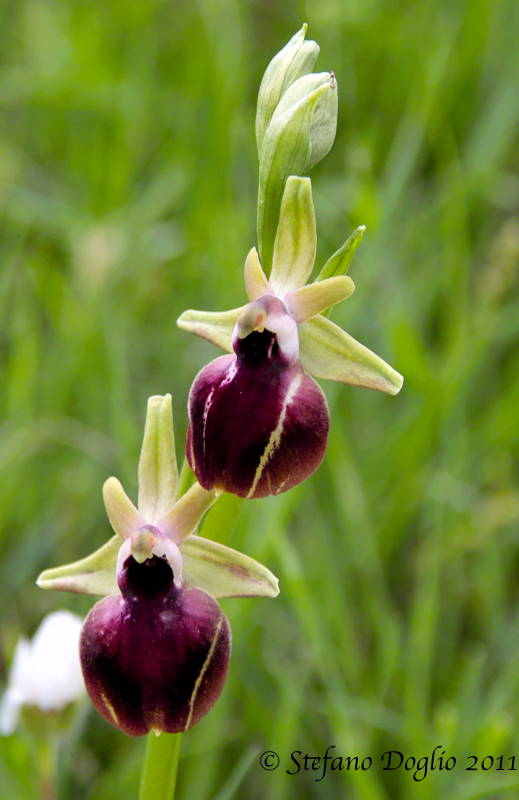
(339, 263)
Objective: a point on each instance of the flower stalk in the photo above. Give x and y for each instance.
(159, 773)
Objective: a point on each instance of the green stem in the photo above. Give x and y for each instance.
(186, 478)
(48, 758)
(159, 774)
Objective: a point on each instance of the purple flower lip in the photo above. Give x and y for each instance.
(258, 423)
(155, 657)
(150, 579)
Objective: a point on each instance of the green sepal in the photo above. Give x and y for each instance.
(158, 471)
(215, 326)
(301, 132)
(296, 238)
(295, 59)
(339, 263)
(208, 565)
(327, 351)
(224, 572)
(94, 574)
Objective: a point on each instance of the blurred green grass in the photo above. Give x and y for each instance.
(127, 194)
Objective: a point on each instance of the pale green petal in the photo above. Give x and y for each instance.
(329, 352)
(124, 517)
(224, 572)
(94, 574)
(339, 263)
(215, 326)
(185, 516)
(296, 238)
(310, 300)
(158, 472)
(256, 283)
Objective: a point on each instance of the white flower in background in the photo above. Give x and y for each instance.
(45, 672)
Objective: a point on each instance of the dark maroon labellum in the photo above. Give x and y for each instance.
(258, 425)
(156, 656)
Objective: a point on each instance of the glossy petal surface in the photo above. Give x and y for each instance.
(257, 426)
(156, 656)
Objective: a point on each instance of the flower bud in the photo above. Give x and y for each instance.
(156, 656)
(258, 424)
(295, 59)
(301, 132)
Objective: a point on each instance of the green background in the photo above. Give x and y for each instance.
(127, 194)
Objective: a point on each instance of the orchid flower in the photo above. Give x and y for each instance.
(258, 422)
(154, 652)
